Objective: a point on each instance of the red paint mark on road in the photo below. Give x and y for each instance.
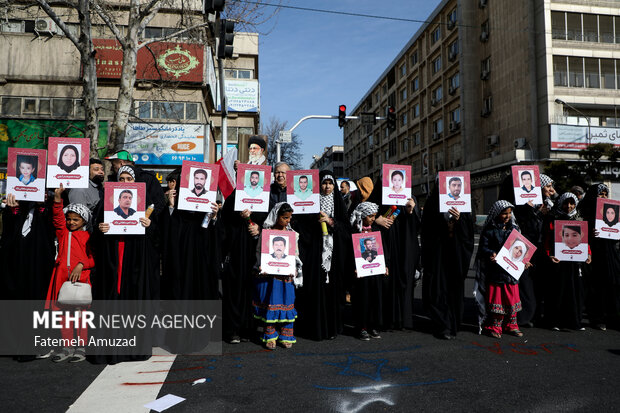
(495, 348)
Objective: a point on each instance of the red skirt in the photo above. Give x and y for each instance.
(503, 298)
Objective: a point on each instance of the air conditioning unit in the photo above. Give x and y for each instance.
(45, 25)
(520, 143)
(451, 90)
(451, 24)
(452, 56)
(492, 140)
(484, 36)
(484, 75)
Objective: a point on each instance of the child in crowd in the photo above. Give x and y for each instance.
(73, 263)
(502, 296)
(367, 291)
(274, 295)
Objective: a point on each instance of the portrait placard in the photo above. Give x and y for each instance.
(515, 253)
(198, 187)
(123, 206)
(68, 162)
(253, 183)
(526, 183)
(368, 253)
(606, 223)
(396, 184)
(303, 191)
(278, 252)
(571, 240)
(26, 174)
(454, 191)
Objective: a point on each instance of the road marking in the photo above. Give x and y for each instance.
(107, 393)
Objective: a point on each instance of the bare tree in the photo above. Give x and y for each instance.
(289, 152)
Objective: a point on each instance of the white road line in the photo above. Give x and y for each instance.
(107, 393)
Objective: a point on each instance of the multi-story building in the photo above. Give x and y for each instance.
(174, 114)
(476, 86)
(331, 159)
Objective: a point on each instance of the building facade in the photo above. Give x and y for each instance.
(476, 87)
(331, 159)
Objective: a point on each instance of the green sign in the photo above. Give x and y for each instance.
(31, 133)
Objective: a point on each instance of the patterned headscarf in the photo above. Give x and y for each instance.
(327, 206)
(562, 199)
(362, 211)
(545, 180)
(80, 209)
(602, 188)
(126, 169)
(497, 209)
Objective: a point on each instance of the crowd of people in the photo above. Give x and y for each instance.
(184, 255)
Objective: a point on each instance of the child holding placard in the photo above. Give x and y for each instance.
(274, 294)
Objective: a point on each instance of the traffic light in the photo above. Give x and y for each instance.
(212, 6)
(342, 115)
(391, 118)
(226, 37)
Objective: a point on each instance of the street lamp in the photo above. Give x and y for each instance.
(561, 102)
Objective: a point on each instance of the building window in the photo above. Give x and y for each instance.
(415, 85)
(607, 74)
(485, 68)
(436, 95)
(392, 148)
(454, 83)
(573, 27)
(403, 70)
(558, 25)
(438, 126)
(403, 119)
(487, 106)
(575, 72)
(452, 18)
(437, 65)
(62, 107)
(455, 115)
(45, 106)
(11, 106)
(592, 74)
(405, 145)
(560, 72)
(415, 111)
(606, 28)
(403, 95)
(590, 27)
(453, 50)
(238, 74)
(484, 31)
(416, 138)
(414, 58)
(436, 35)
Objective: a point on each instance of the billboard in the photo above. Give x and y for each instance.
(575, 138)
(165, 143)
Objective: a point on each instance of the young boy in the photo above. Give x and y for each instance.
(73, 263)
(26, 170)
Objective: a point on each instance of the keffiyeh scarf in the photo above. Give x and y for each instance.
(496, 209)
(560, 203)
(327, 206)
(362, 211)
(126, 169)
(79, 209)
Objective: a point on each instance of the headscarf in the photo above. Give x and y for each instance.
(362, 211)
(497, 209)
(327, 206)
(74, 165)
(521, 244)
(80, 209)
(126, 169)
(365, 187)
(545, 180)
(272, 218)
(560, 203)
(587, 206)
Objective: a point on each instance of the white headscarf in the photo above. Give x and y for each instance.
(521, 244)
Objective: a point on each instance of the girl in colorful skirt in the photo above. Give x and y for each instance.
(502, 295)
(274, 294)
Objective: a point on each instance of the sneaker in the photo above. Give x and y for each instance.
(581, 329)
(601, 327)
(555, 328)
(46, 355)
(364, 335)
(79, 355)
(63, 355)
(374, 334)
(235, 340)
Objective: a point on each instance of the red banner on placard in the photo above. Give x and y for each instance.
(183, 62)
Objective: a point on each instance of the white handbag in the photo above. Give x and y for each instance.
(75, 294)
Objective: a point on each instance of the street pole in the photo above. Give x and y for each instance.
(224, 107)
(589, 137)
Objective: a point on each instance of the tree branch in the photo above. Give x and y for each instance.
(109, 22)
(52, 14)
(175, 34)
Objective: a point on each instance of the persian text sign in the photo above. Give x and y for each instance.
(242, 95)
(575, 138)
(164, 143)
(183, 62)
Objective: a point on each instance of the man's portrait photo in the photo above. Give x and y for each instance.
(278, 244)
(200, 181)
(369, 251)
(125, 199)
(253, 182)
(455, 186)
(527, 181)
(303, 186)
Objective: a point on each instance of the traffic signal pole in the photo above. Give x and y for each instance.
(305, 118)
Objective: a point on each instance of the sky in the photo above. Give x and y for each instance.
(310, 63)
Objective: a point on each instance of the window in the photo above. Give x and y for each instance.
(191, 111)
(558, 25)
(415, 111)
(487, 106)
(238, 74)
(575, 72)
(416, 138)
(106, 108)
(453, 82)
(415, 85)
(62, 107)
(403, 95)
(573, 27)
(377, 97)
(452, 18)
(484, 31)
(437, 65)
(607, 74)
(437, 95)
(11, 106)
(455, 115)
(403, 119)
(438, 126)
(30, 105)
(392, 148)
(45, 106)
(403, 70)
(405, 145)
(592, 75)
(606, 28)
(436, 35)
(485, 68)
(560, 72)
(79, 108)
(414, 58)
(590, 28)
(453, 50)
